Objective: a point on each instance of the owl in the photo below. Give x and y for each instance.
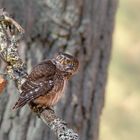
(45, 84)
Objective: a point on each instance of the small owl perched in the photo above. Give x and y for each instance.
(45, 84)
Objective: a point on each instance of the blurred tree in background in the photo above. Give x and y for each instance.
(121, 116)
(81, 27)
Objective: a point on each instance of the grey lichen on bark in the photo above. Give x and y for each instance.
(58, 126)
(16, 70)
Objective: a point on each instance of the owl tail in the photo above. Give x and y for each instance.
(20, 103)
(15, 106)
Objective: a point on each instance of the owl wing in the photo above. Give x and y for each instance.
(45, 68)
(39, 82)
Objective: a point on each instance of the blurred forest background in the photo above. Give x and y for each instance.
(121, 115)
(81, 27)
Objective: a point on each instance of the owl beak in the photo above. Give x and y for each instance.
(69, 67)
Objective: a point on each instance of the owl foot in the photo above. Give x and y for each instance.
(39, 109)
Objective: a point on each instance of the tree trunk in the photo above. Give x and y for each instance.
(81, 27)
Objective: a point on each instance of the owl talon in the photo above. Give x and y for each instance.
(35, 108)
(38, 109)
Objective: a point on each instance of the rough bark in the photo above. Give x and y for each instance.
(88, 35)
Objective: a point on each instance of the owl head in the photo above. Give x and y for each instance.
(66, 62)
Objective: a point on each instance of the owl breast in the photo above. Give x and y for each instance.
(51, 98)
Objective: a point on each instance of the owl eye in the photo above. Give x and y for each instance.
(67, 61)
